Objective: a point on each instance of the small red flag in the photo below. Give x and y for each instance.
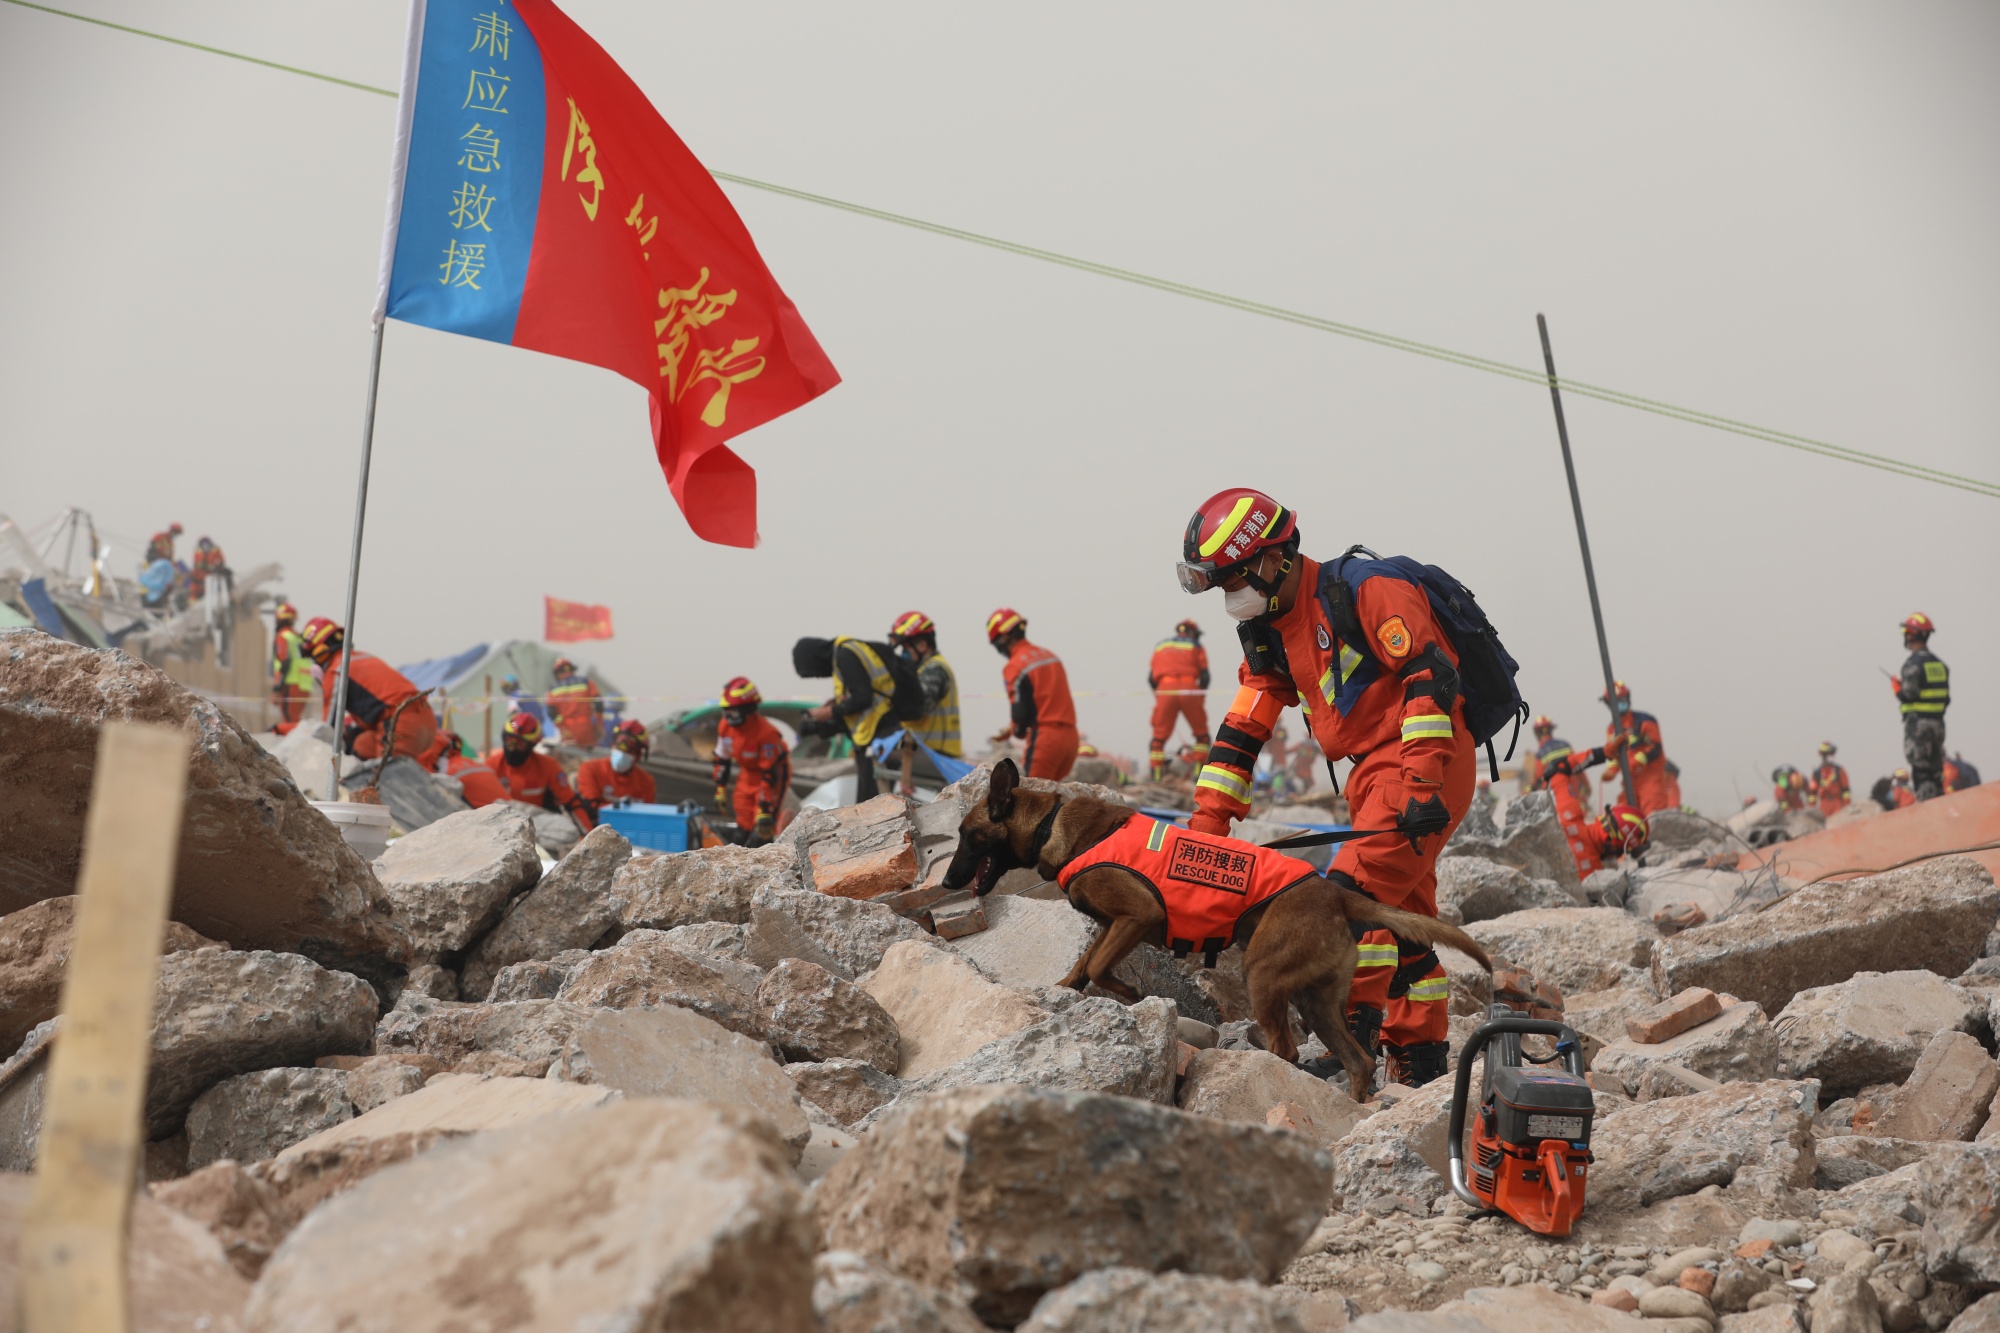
(573, 622)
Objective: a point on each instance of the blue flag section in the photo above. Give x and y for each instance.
(468, 169)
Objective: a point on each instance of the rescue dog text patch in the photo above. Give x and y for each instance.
(1195, 862)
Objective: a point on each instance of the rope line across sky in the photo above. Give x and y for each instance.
(1616, 397)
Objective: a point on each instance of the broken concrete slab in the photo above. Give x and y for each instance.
(1948, 1094)
(1028, 943)
(1245, 1086)
(245, 1215)
(643, 970)
(258, 1115)
(447, 882)
(1752, 1139)
(846, 936)
(34, 950)
(677, 1053)
(1871, 1028)
(1084, 1044)
(219, 1013)
(1932, 916)
(1961, 1224)
(24, 1091)
(1576, 948)
(943, 1007)
(1736, 1046)
(570, 908)
(1508, 1310)
(1120, 1300)
(1398, 1157)
(257, 865)
(810, 1015)
(659, 892)
(1532, 842)
(848, 1090)
(416, 796)
(853, 1294)
(1471, 888)
(867, 850)
(643, 1214)
(1001, 1194)
(453, 1105)
(1848, 1159)
(533, 1032)
(378, 1080)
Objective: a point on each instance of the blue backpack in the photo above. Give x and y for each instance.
(1486, 670)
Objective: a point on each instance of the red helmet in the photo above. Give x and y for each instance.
(1826, 749)
(912, 625)
(285, 613)
(1004, 622)
(631, 738)
(1188, 629)
(175, 529)
(525, 726)
(322, 638)
(740, 692)
(632, 726)
(563, 666)
(1623, 691)
(1544, 723)
(1628, 826)
(1919, 625)
(1231, 529)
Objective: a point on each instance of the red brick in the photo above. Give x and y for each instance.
(1669, 1018)
(959, 919)
(1616, 1298)
(1753, 1249)
(869, 875)
(1700, 1281)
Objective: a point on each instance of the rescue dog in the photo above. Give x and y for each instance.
(1299, 950)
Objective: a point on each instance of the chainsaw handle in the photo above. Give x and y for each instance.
(1566, 1043)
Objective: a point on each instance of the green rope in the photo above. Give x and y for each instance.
(1616, 397)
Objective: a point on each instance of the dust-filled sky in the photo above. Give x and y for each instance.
(1779, 212)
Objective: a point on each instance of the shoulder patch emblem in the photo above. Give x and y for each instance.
(1325, 642)
(1394, 636)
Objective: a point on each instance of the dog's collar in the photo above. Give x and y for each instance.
(1043, 832)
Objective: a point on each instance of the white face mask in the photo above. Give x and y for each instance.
(621, 762)
(1244, 603)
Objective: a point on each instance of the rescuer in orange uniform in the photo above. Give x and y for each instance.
(1788, 787)
(1654, 785)
(478, 782)
(747, 741)
(378, 696)
(531, 777)
(1593, 843)
(291, 669)
(1389, 702)
(577, 706)
(617, 776)
(1829, 788)
(1043, 713)
(1547, 750)
(1178, 677)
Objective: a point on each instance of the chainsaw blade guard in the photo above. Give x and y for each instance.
(1531, 1137)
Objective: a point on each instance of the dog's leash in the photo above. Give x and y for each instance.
(1322, 839)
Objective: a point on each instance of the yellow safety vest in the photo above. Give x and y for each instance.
(940, 729)
(289, 665)
(1934, 696)
(861, 726)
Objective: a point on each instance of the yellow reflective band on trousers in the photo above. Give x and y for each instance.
(1429, 990)
(1377, 955)
(1427, 726)
(1222, 780)
(939, 729)
(881, 686)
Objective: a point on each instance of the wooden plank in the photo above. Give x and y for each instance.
(73, 1234)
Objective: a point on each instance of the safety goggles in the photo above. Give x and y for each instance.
(1200, 577)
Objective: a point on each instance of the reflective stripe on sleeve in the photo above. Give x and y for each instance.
(1222, 780)
(1427, 726)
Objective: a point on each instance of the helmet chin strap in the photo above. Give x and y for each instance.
(1270, 587)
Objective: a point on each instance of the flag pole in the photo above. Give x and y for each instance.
(1582, 541)
(339, 696)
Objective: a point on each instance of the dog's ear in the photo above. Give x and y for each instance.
(1000, 791)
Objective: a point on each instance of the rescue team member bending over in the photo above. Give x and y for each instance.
(1923, 687)
(1959, 775)
(378, 697)
(1039, 704)
(1788, 787)
(863, 689)
(1388, 699)
(1593, 843)
(577, 705)
(478, 782)
(606, 779)
(1548, 749)
(747, 741)
(1178, 678)
(291, 670)
(1655, 784)
(914, 635)
(1828, 788)
(531, 777)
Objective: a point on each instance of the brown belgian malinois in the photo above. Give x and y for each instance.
(1298, 949)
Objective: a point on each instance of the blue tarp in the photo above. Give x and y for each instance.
(951, 770)
(35, 592)
(444, 670)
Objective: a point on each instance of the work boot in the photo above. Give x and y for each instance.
(1365, 1023)
(1416, 1064)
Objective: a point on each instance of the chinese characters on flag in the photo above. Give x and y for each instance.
(540, 200)
(573, 622)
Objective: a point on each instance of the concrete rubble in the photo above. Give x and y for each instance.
(597, 1097)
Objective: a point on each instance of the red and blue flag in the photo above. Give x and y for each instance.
(538, 199)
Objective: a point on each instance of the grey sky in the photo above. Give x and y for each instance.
(1779, 212)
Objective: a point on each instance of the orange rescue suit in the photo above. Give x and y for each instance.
(1205, 883)
(1653, 787)
(1829, 788)
(375, 690)
(763, 767)
(480, 786)
(1043, 713)
(599, 784)
(1179, 676)
(576, 706)
(538, 781)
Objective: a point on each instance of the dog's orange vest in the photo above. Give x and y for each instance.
(1205, 883)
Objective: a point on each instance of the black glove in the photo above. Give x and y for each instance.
(1423, 817)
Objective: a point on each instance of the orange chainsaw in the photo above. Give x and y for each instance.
(1531, 1140)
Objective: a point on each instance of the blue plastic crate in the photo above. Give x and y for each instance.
(657, 828)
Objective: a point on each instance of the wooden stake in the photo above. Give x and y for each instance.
(908, 785)
(73, 1235)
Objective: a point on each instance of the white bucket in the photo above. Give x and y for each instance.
(363, 827)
